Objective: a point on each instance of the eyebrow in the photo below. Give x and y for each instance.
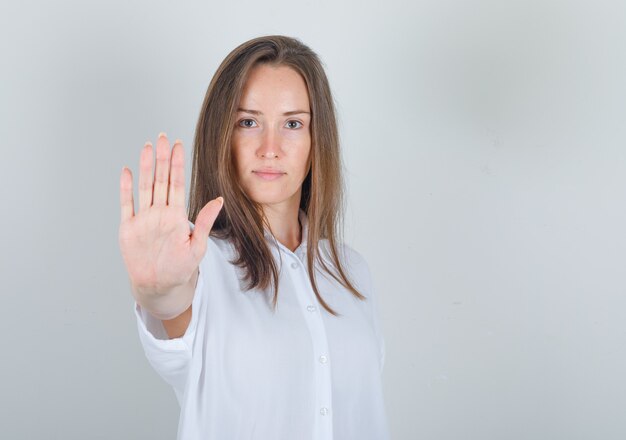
(256, 112)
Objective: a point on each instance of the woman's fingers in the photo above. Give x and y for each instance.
(145, 177)
(176, 196)
(162, 171)
(126, 194)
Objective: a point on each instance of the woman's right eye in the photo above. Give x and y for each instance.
(244, 121)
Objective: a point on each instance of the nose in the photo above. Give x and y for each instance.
(270, 143)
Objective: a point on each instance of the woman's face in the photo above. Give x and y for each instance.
(272, 137)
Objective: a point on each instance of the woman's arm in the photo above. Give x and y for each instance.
(176, 327)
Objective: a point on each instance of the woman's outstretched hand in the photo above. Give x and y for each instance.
(159, 249)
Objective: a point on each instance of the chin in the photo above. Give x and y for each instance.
(270, 194)
(268, 201)
(265, 198)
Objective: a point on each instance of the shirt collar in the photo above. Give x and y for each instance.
(304, 221)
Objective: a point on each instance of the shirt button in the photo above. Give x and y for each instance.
(310, 308)
(324, 411)
(323, 359)
(294, 265)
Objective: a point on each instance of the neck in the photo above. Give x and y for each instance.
(285, 224)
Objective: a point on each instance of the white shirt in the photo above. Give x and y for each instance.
(241, 371)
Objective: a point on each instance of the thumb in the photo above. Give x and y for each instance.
(204, 222)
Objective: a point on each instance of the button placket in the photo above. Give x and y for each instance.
(315, 323)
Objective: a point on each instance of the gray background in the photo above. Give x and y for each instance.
(485, 146)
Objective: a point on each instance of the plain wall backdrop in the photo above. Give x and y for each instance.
(485, 148)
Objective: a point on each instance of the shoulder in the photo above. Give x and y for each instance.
(352, 261)
(353, 258)
(347, 254)
(225, 246)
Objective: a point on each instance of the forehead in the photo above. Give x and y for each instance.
(276, 87)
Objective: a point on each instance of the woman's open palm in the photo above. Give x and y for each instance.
(158, 247)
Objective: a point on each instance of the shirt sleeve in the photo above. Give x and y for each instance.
(371, 293)
(170, 358)
(373, 297)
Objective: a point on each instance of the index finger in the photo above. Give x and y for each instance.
(176, 196)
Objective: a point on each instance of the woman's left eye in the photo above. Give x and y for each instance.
(294, 122)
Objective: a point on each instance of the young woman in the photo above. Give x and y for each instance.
(256, 313)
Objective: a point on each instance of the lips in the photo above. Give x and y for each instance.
(268, 171)
(270, 174)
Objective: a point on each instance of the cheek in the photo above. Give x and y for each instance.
(302, 144)
(304, 160)
(306, 155)
(239, 163)
(240, 146)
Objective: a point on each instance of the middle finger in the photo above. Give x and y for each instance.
(162, 171)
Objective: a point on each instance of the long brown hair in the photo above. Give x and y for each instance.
(213, 172)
